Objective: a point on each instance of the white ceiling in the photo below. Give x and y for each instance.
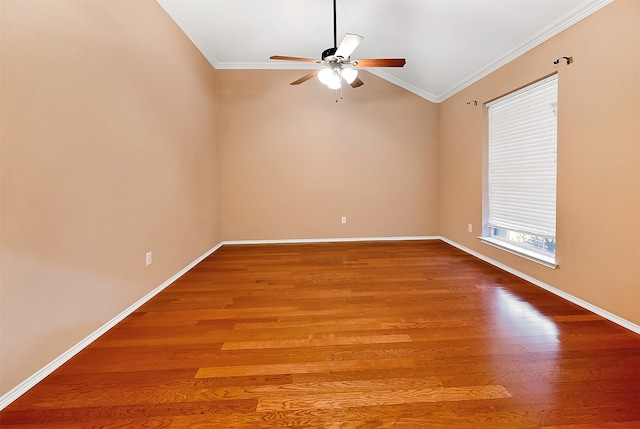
(448, 44)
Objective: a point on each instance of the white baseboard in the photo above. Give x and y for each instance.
(334, 240)
(575, 300)
(23, 387)
(582, 303)
(35, 378)
(27, 384)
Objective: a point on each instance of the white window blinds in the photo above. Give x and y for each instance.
(522, 159)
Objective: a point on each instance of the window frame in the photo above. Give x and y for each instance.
(489, 231)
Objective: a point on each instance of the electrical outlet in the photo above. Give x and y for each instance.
(149, 258)
(344, 219)
(470, 228)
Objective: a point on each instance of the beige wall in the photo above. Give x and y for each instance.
(108, 151)
(598, 194)
(112, 135)
(293, 161)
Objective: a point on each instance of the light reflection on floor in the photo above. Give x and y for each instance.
(516, 317)
(520, 323)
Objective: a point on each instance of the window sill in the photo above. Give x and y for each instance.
(547, 261)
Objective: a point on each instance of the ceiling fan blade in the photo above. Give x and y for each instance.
(286, 58)
(380, 62)
(356, 83)
(305, 78)
(349, 43)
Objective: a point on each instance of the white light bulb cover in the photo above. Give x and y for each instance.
(325, 75)
(349, 74)
(335, 82)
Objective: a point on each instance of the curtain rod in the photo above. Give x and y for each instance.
(520, 87)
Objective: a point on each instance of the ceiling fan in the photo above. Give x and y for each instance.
(337, 61)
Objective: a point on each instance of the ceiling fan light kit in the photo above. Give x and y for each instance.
(338, 64)
(349, 75)
(331, 78)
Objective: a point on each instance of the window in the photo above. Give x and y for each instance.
(522, 171)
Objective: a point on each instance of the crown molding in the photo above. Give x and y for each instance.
(570, 18)
(406, 85)
(273, 65)
(189, 31)
(580, 12)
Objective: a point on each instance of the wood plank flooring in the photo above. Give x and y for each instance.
(413, 334)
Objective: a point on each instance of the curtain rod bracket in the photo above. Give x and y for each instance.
(474, 102)
(569, 60)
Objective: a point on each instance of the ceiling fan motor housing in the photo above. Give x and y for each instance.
(328, 52)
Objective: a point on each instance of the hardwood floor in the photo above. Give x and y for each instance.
(347, 335)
